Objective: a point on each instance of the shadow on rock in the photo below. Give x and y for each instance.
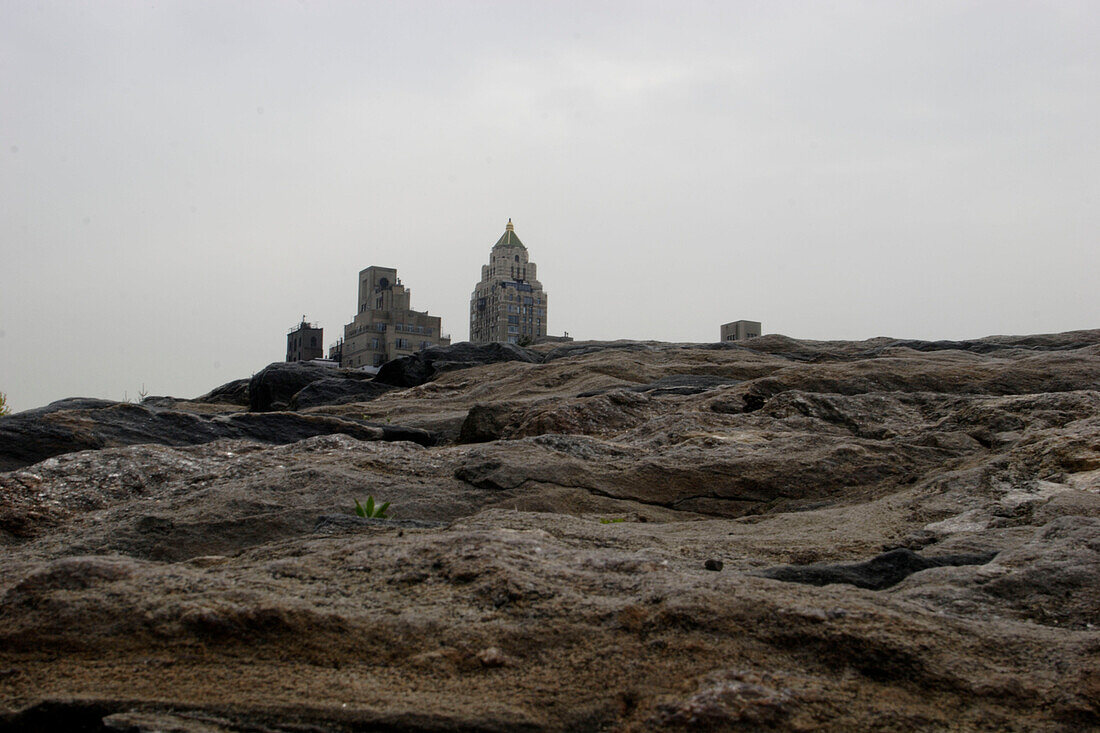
(878, 573)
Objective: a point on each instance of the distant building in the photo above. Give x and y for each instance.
(385, 326)
(336, 351)
(508, 304)
(303, 342)
(553, 339)
(741, 330)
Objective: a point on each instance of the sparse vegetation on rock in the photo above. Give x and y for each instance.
(370, 511)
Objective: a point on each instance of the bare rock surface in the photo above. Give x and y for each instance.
(427, 364)
(231, 393)
(274, 386)
(768, 535)
(75, 425)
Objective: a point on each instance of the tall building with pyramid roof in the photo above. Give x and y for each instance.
(508, 304)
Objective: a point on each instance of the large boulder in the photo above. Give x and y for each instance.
(232, 393)
(426, 365)
(272, 387)
(337, 390)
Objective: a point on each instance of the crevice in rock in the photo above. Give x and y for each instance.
(878, 573)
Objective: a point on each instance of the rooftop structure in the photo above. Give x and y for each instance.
(737, 330)
(303, 342)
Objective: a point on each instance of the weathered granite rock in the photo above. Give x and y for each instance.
(484, 423)
(36, 435)
(232, 393)
(337, 391)
(70, 403)
(883, 571)
(423, 366)
(556, 574)
(680, 384)
(272, 387)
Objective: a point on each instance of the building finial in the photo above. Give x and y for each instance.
(509, 228)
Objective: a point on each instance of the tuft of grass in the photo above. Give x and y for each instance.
(4, 409)
(370, 511)
(612, 520)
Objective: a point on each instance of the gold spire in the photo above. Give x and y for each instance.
(509, 228)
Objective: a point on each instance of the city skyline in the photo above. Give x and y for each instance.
(180, 182)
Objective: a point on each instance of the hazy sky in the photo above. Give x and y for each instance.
(181, 181)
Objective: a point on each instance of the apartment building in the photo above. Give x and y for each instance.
(508, 304)
(385, 325)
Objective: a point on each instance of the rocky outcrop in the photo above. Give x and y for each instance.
(764, 535)
(426, 365)
(230, 393)
(76, 425)
(274, 386)
(337, 391)
(679, 384)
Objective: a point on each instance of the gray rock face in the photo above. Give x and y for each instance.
(588, 549)
(884, 571)
(75, 425)
(426, 365)
(681, 384)
(337, 391)
(232, 393)
(273, 387)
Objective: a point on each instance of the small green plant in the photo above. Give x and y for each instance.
(612, 520)
(4, 409)
(370, 511)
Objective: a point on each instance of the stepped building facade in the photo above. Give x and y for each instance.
(508, 304)
(386, 326)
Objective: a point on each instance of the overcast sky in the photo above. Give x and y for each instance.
(181, 181)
